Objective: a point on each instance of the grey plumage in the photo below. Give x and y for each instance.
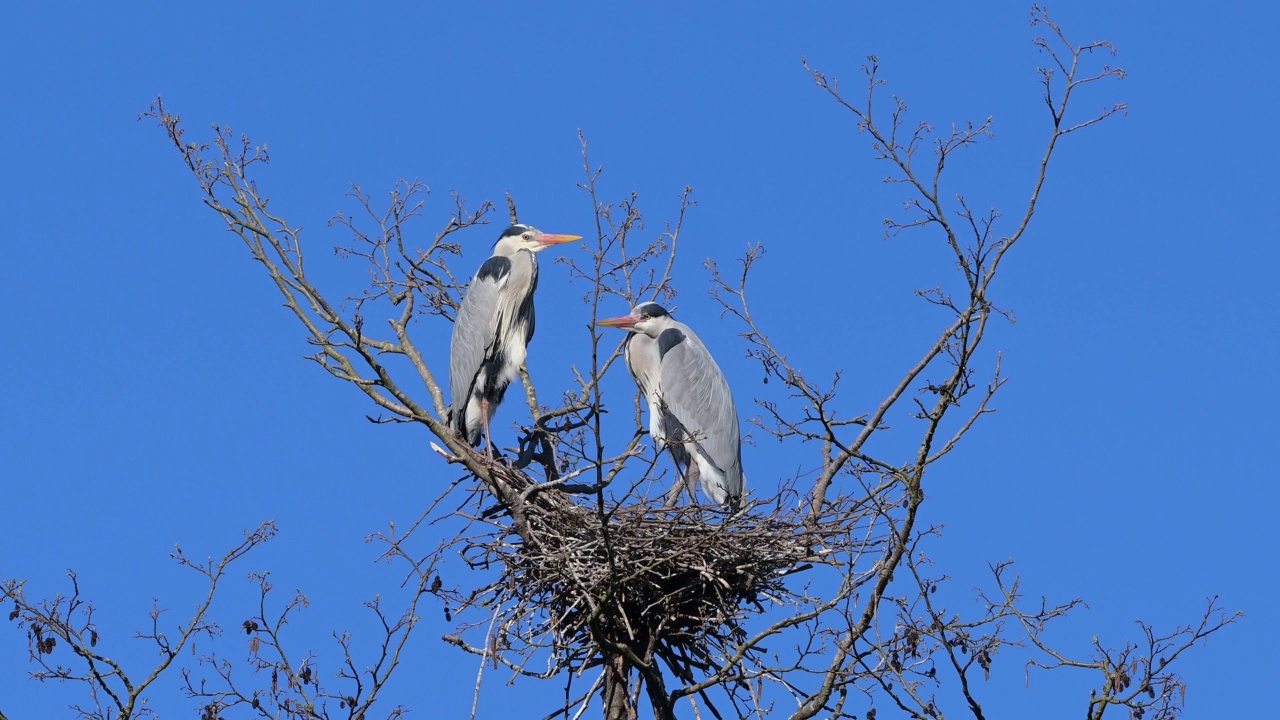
(691, 409)
(494, 326)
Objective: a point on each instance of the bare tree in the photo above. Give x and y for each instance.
(113, 691)
(817, 599)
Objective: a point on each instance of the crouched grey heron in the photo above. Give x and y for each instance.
(494, 326)
(691, 410)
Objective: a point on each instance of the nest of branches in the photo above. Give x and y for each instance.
(643, 581)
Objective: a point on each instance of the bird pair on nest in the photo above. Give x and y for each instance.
(691, 410)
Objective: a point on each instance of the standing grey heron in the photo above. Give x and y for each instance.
(494, 326)
(691, 409)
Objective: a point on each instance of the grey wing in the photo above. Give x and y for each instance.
(695, 391)
(473, 332)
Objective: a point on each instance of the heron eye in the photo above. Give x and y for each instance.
(528, 236)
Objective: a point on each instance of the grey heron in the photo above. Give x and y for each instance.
(494, 326)
(691, 410)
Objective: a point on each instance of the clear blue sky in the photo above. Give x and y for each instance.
(154, 393)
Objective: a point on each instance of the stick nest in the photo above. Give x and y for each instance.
(666, 583)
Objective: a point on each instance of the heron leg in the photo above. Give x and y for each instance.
(691, 477)
(484, 419)
(686, 476)
(673, 495)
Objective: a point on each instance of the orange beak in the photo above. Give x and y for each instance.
(626, 322)
(547, 239)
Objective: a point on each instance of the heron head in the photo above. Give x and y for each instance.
(525, 237)
(648, 318)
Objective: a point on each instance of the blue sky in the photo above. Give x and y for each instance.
(153, 388)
